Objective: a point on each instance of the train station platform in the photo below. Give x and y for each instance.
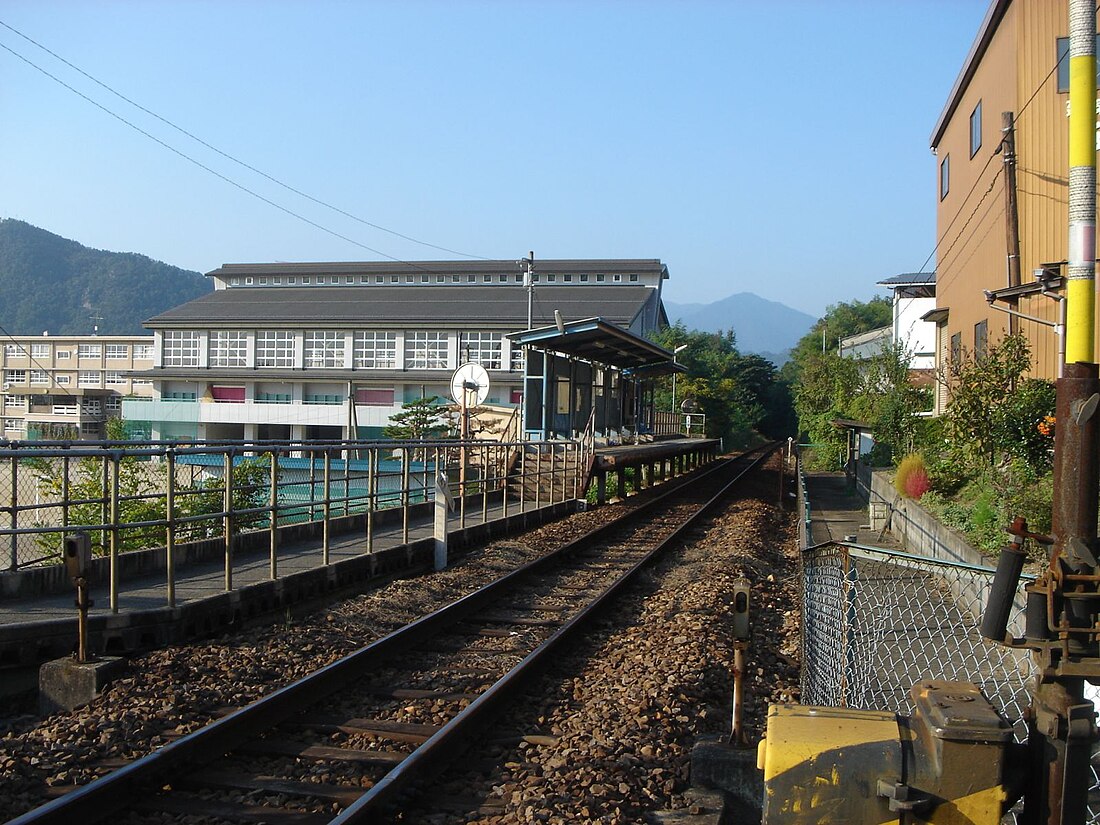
(36, 628)
(839, 513)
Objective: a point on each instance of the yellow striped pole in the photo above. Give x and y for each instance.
(1081, 272)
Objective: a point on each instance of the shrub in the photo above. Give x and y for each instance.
(911, 479)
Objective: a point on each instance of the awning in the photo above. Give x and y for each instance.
(600, 342)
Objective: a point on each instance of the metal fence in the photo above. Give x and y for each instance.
(132, 497)
(876, 621)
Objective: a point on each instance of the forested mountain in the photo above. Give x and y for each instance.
(50, 283)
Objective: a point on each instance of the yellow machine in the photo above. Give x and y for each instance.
(947, 763)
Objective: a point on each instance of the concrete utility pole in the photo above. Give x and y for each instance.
(529, 282)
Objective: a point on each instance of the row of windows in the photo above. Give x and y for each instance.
(114, 352)
(84, 378)
(350, 280)
(326, 349)
(374, 397)
(110, 403)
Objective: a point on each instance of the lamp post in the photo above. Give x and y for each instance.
(676, 351)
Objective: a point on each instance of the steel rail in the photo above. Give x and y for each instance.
(111, 793)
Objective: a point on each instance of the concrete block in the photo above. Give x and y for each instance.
(66, 684)
(718, 766)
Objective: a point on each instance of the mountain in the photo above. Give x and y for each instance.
(763, 327)
(51, 283)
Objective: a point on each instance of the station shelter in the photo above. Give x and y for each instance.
(590, 370)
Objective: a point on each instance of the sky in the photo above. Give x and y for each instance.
(779, 148)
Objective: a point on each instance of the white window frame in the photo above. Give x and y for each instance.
(15, 376)
(228, 348)
(63, 354)
(89, 351)
(89, 378)
(427, 350)
(274, 348)
(118, 352)
(62, 380)
(143, 351)
(485, 348)
(323, 349)
(113, 378)
(180, 348)
(375, 350)
(40, 350)
(40, 378)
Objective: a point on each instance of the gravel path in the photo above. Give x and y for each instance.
(605, 744)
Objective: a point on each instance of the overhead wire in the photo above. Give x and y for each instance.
(230, 181)
(230, 157)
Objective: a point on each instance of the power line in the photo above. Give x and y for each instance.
(227, 179)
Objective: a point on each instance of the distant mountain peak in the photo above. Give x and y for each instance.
(760, 325)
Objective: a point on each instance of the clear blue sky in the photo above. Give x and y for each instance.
(774, 147)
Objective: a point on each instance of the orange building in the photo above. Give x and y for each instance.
(1018, 64)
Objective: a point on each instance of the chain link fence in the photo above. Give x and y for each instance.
(877, 621)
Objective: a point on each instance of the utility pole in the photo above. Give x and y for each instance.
(1062, 603)
(529, 282)
(1012, 214)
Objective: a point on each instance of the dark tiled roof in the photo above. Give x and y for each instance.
(494, 306)
(548, 266)
(910, 279)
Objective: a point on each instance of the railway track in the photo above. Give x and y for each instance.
(340, 745)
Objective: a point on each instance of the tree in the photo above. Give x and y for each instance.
(419, 419)
(736, 392)
(840, 321)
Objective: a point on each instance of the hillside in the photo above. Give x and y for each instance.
(50, 283)
(763, 327)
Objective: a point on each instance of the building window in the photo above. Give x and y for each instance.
(426, 351)
(141, 351)
(89, 351)
(956, 349)
(322, 398)
(517, 358)
(40, 377)
(375, 350)
(61, 380)
(40, 350)
(945, 176)
(228, 349)
(633, 277)
(14, 351)
(91, 406)
(584, 279)
(976, 129)
(112, 403)
(15, 376)
(981, 339)
(274, 349)
(14, 425)
(118, 352)
(272, 398)
(113, 378)
(181, 348)
(89, 378)
(483, 348)
(1062, 55)
(63, 354)
(599, 278)
(137, 382)
(374, 398)
(13, 401)
(324, 349)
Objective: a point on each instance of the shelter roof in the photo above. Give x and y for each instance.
(596, 340)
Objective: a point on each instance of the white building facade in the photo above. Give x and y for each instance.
(333, 350)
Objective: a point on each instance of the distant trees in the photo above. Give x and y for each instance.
(741, 395)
